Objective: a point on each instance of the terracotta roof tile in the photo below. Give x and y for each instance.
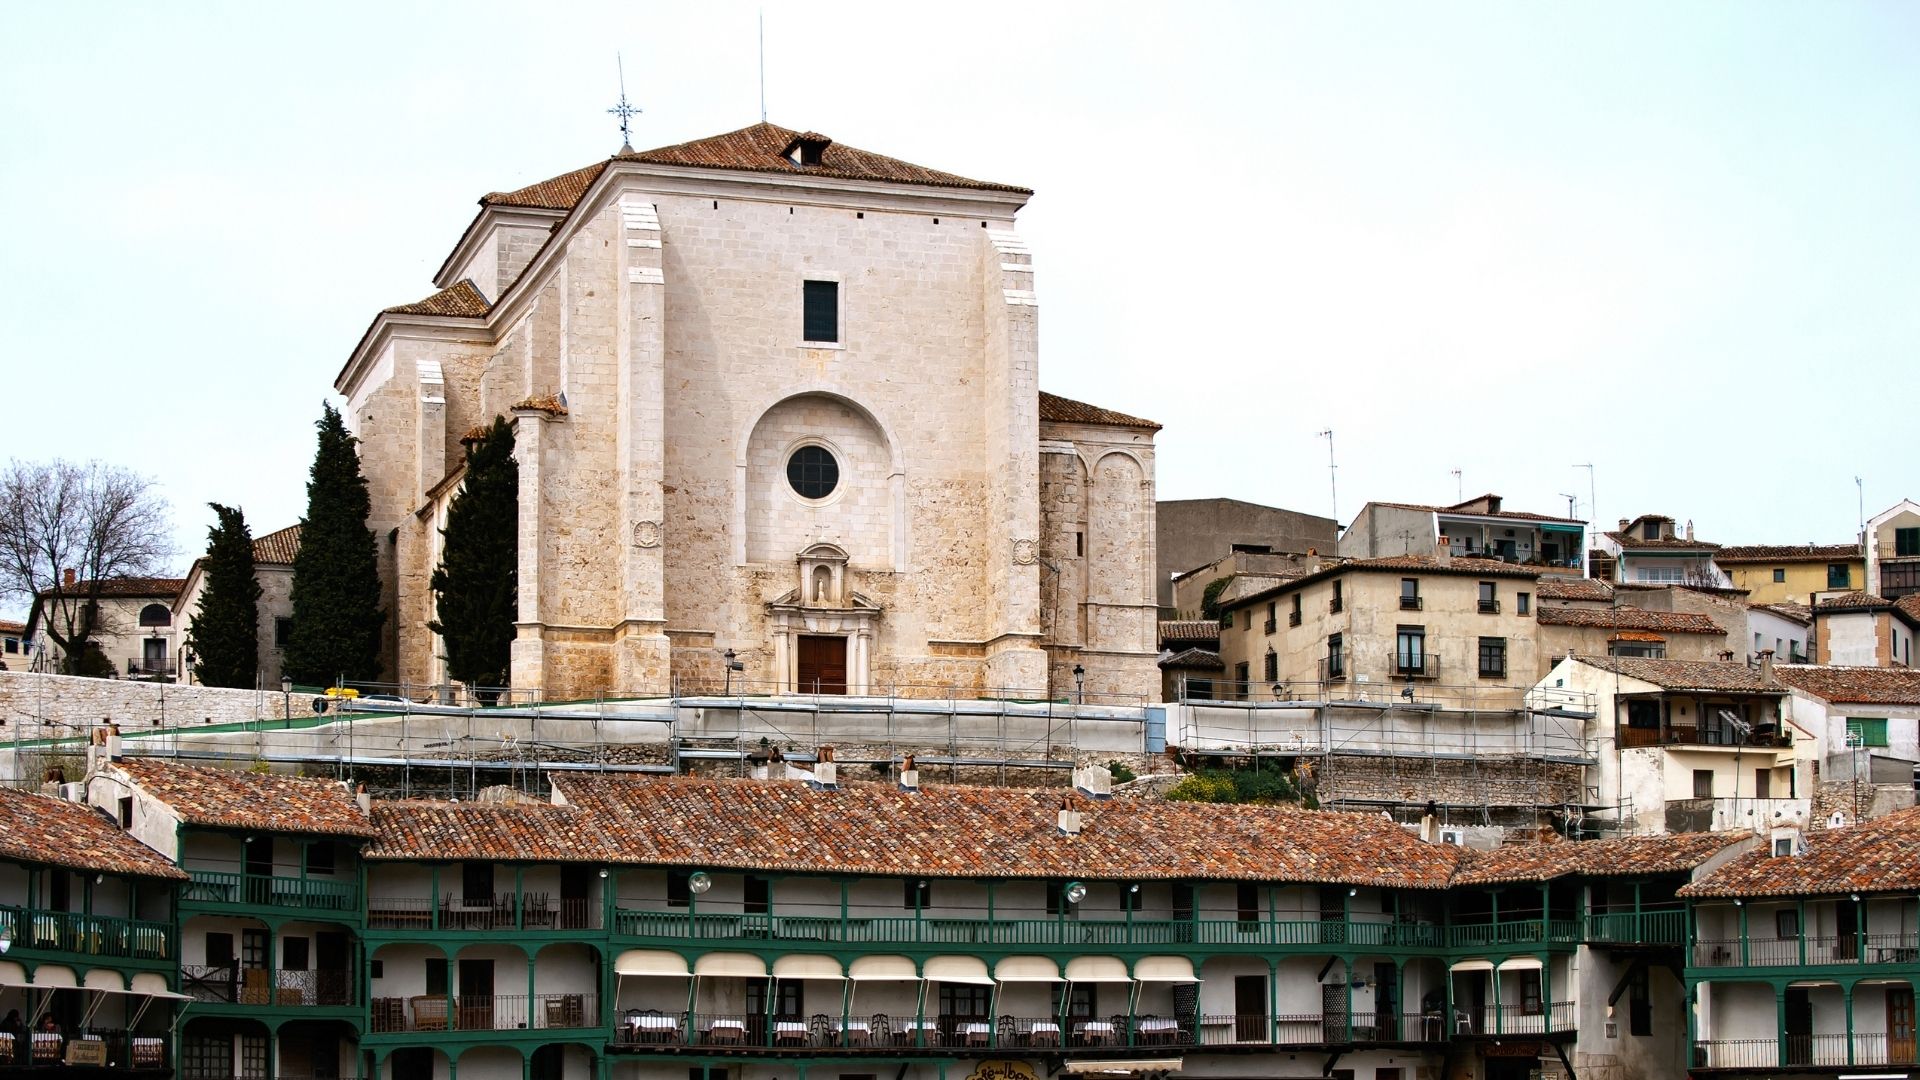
(546, 403)
(1626, 618)
(1190, 630)
(1573, 589)
(277, 548)
(1204, 659)
(1853, 601)
(1464, 510)
(1786, 553)
(1624, 856)
(1853, 685)
(1910, 606)
(955, 831)
(55, 832)
(1630, 542)
(1707, 675)
(126, 587)
(541, 832)
(1799, 613)
(1061, 410)
(1881, 855)
(462, 299)
(12, 627)
(559, 193)
(226, 798)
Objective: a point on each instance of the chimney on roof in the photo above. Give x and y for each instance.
(68, 576)
(1689, 528)
(361, 797)
(1493, 504)
(826, 773)
(1069, 819)
(1443, 551)
(1726, 655)
(1623, 524)
(1093, 781)
(1766, 666)
(909, 776)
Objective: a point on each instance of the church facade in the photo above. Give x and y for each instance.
(771, 395)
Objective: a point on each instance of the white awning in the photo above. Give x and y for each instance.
(1472, 965)
(883, 969)
(1131, 1067)
(957, 969)
(154, 985)
(731, 964)
(1027, 969)
(1166, 969)
(651, 962)
(53, 975)
(1520, 963)
(807, 967)
(1096, 969)
(104, 979)
(13, 973)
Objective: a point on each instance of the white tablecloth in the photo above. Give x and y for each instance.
(652, 1023)
(1157, 1026)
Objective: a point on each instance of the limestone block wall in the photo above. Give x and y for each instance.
(34, 706)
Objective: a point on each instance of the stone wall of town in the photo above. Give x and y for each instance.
(42, 706)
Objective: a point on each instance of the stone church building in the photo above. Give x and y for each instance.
(771, 394)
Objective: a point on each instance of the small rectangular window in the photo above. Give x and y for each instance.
(1293, 617)
(756, 895)
(1523, 603)
(376, 969)
(677, 891)
(1247, 902)
(1241, 675)
(126, 812)
(1336, 656)
(320, 858)
(437, 976)
(1906, 542)
(1489, 598)
(1839, 576)
(476, 881)
(282, 632)
(1410, 593)
(1129, 898)
(1703, 783)
(1866, 731)
(1272, 669)
(1786, 923)
(821, 315)
(1338, 601)
(1779, 573)
(918, 894)
(1056, 901)
(1493, 658)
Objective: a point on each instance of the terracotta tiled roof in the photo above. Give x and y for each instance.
(1853, 601)
(546, 403)
(1190, 630)
(16, 627)
(1708, 675)
(758, 148)
(1573, 589)
(1853, 685)
(1055, 408)
(1636, 635)
(1241, 586)
(1205, 659)
(441, 830)
(1625, 857)
(1910, 605)
(462, 299)
(277, 548)
(125, 588)
(559, 193)
(226, 798)
(1881, 855)
(1392, 564)
(1799, 613)
(955, 831)
(55, 832)
(1630, 543)
(1786, 553)
(1626, 618)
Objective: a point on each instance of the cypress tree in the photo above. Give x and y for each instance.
(336, 581)
(474, 585)
(225, 637)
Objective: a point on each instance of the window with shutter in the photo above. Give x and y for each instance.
(1867, 731)
(821, 310)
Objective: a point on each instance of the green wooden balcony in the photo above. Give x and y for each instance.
(1306, 934)
(1664, 927)
(217, 889)
(72, 934)
(1504, 932)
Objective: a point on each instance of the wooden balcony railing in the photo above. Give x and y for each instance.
(259, 890)
(282, 988)
(1658, 927)
(1813, 950)
(87, 935)
(489, 1012)
(531, 911)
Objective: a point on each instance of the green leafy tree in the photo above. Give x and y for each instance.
(336, 581)
(474, 585)
(225, 637)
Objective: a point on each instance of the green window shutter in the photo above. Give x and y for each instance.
(1871, 730)
(1906, 542)
(820, 312)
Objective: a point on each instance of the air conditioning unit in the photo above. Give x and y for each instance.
(73, 792)
(1456, 837)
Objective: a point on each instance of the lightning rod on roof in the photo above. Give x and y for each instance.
(1333, 486)
(623, 110)
(763, 65)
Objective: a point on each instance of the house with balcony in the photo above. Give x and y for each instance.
(88, 943)
(1648, 550)
(1805, 954)
(1868, 720)
(486, 940)
(1692, 746)
(1626, 631)
(1861, 629)
(270, 915)
(1793, 573)
(1893, 551)
(133, 626)
(1479, 528)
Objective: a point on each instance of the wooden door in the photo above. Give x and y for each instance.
(575, 887)
(822, 665)
(1250, 1008)
(1799, 1026)
(1900, 1025)
(330, 985)
(476, 995)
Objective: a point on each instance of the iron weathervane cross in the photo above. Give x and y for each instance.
(626, 112)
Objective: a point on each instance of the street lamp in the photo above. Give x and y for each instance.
(1079, 685)
(286, 698)
(733, 665)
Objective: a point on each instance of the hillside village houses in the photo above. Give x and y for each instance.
(133, 625)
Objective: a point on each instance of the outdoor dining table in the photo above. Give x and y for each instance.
(974, 1032)
(727, 1031)
(907, 1028)
(789, 1031)
(856, 1031)
(1094, 1031)
(1043, 1033)
(1157, 1028)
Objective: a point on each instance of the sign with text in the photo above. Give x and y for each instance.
(1003, 1070)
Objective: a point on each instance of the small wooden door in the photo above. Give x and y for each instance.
(330, 985)
(476, 995)
(822, 665)
(1799, 1026)
(575, 886)
(1250, 1008)
(1900, 1025)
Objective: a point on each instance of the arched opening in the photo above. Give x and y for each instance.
(156, 615)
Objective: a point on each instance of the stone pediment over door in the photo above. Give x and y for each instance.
(822, 605)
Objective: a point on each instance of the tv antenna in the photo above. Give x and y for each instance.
(1573, 505)
(1459, 492)
(625, 111)
(1593, 502)
(1333, 487)
(1860, 491)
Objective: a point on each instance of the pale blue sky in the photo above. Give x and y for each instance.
(1680, 241)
